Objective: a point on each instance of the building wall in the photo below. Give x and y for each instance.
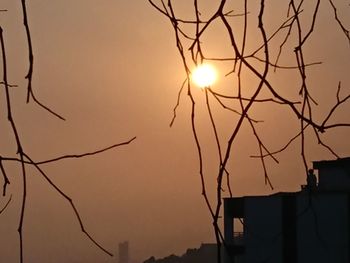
(322, 228)
(334, 178)
(263, 229)
(318, 231)
(308, 226)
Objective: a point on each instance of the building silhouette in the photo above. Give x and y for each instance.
(206, 253)
(124, 252)
(312, 225)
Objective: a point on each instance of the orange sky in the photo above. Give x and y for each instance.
(112, 70)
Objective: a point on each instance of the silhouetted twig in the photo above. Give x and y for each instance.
(72, 156)
(6, 179)
(345, 31)
(18, 143)
(6, 205)
(29, 76)
(23, 158)
(177, 102)
(65, 196)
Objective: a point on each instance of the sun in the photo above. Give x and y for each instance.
(204, 75)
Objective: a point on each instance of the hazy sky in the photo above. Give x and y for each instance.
(112, 70)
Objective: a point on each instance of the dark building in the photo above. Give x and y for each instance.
(205, 254)
(312, 225)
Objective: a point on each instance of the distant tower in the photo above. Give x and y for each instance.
(124, 252)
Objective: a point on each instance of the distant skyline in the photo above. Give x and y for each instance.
(112, 70)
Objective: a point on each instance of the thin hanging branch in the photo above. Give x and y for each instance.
(29, 76)
(177, 102)
(345, 31)
(73, 206)
(24, 159)
(18, 142)
(6, 205)
(5, 177)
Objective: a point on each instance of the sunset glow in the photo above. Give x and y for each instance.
(204, 75)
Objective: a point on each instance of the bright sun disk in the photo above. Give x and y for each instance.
(204, 75)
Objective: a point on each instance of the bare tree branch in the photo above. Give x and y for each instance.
(67, 198)
(23, 158)
(70, 156)
(6, 205)
(345, 31)
(29, 76)
(73, 156)
(177, 102)
(18, 142)
(296, 29)
(6, 179)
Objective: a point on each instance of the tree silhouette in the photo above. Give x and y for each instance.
(256, 42)
(23, 158)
